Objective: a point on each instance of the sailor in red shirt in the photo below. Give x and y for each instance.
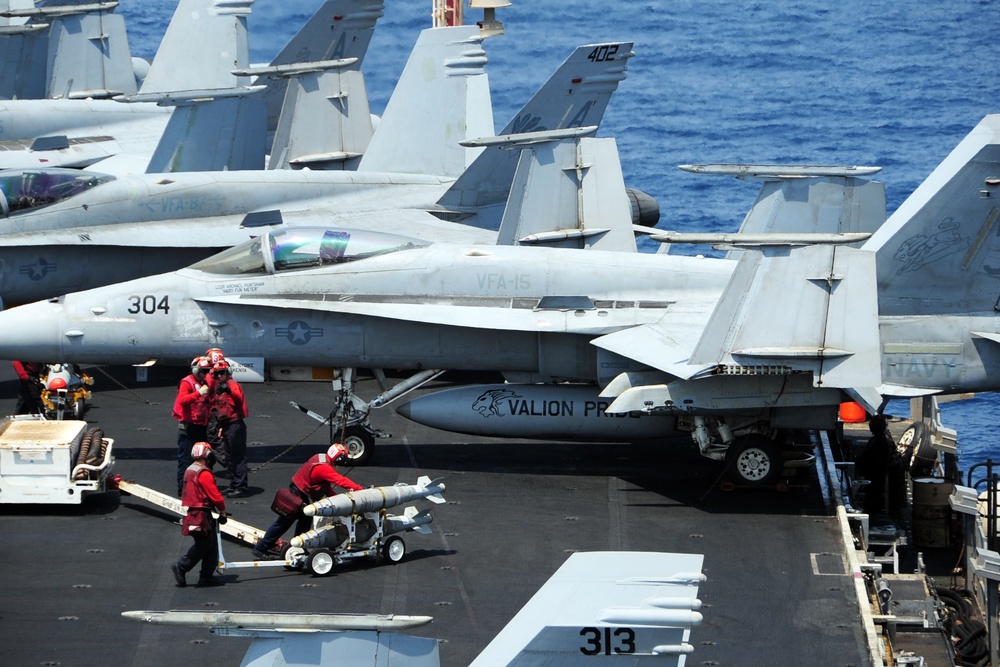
(191, 410)
(29, 397)
(229, 407)
(313, 481)
(200, 497)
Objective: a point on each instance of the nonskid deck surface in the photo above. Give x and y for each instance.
(777, 592)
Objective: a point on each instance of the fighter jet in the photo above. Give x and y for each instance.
(67, 230)
(587, 608)
(199, 77)
(733, 352)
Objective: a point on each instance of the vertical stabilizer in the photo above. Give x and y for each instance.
(939, 253)
(575, 96)
(612, 607)
(338, 30)
(568, 193)
(441, 99)
(222, 134)
(205, 41)
(325, 120)
(89, 56)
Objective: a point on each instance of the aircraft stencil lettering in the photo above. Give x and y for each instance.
(238, 288)
(527, 123)
(581, 116)
(934, 367)
(500, 281)
(298, 332)
(38, 270)
(920, 250)
(488, 404)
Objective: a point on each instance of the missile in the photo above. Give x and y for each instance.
(378, 498)
(539, 411)
(335, 535)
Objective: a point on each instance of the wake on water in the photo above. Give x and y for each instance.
(871, 82)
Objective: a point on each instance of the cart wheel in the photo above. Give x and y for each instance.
(320, 562)
(79, 407)
(296, 556)
(360, 445)
(394, 549)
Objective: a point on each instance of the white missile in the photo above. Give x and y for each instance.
(378, 498)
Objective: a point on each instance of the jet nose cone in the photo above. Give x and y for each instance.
(31, 332)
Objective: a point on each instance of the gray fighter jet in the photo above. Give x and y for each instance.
(732, 351)
(65, 230)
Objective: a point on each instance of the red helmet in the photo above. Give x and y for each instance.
(336, 452)
(201, 450)
(57, 383)
(220, 367)
(215, 355)
(200, 365)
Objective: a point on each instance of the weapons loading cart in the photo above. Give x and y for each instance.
(52, 461)
(365, 530)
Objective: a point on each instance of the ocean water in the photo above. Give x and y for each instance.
(857, 82)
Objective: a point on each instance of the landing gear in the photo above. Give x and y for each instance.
(916, 449)
(754, 460)
(360, 443)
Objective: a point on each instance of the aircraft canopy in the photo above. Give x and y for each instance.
(304, 248)
(26, 189)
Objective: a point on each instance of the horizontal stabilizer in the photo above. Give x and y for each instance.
(615, 607)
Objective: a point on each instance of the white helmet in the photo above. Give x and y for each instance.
(335, 452)
(201, 450)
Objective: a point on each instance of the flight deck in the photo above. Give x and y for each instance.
(778, 589)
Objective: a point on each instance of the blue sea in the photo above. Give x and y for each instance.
(856, 82)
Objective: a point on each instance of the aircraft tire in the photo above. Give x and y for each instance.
(360, 445)
(394, 549)
(754, 460)
(916, 449)
(320, 562)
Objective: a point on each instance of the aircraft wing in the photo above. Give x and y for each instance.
(550, 314)
(621, 608)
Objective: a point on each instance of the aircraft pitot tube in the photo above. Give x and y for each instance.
(378, 498)
(336, 535)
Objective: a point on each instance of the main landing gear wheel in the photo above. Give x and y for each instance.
(320, 562)
(394, 549)
(754, 460)
(916, 449)
(360, 445)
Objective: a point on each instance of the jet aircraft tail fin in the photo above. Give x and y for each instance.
(567, 192)
(939, 252)
(441, 98)
(575, 96)
(339, 30)
(205, 41)
(612, 607)
(64, 51)
(810, 199)
(226, 133)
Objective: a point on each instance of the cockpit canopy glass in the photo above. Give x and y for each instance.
(25, 189)
(304, 248)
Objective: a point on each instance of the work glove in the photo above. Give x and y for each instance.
(203, 389)
(223, 518)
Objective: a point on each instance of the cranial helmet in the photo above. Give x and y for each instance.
(336, 452)
(220, 367)
(201, 450)
(215, 355)
(201, 365)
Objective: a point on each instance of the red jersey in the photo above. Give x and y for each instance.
(230, 405)
(317, 477)
(190, 405)
(200, 491)
(26, 369)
